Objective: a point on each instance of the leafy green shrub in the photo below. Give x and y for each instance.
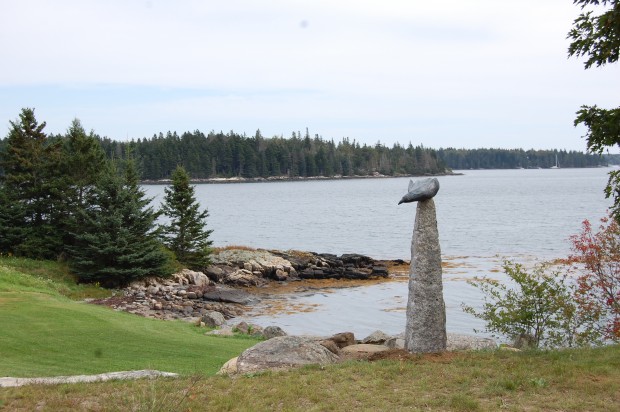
(539, 311)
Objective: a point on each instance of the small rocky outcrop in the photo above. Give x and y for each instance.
(186, 295)
(242, 267)
(347, 266)
(283, 352)
(250, 267)
(189, 295)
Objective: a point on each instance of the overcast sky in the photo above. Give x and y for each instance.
(455, 73)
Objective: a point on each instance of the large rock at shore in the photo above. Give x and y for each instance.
(255, 262)
(283, 352)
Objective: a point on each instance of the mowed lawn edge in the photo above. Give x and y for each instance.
(45, 334)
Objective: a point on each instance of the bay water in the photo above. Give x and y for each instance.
(484, 217)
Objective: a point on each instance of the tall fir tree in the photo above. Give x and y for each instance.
(186, 234)
(118, 240)
(32, 189)
(82, 163)
(83, 160)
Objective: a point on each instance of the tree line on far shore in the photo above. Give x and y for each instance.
(234, 155)
(217, 155)
(463, 159)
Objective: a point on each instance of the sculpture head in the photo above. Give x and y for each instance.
(422, 189)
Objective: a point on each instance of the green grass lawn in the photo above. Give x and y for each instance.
(571, 380)
(43, 333)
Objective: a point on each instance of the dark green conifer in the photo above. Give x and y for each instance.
(82, 163)
(185, 234)
(117, 242)
(32, 189)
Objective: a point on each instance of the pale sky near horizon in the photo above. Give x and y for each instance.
(477, 73)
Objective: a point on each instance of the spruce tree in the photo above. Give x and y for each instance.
(118, 241)
(185, 234)
(82, 163)
(32, 189)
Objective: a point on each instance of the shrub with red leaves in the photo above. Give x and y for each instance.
(596, 255)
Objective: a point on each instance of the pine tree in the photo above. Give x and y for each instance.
(118, 241)
(185, 235)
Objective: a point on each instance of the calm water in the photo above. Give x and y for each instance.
(483, 217)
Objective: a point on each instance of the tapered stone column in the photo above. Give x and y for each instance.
(425, 330)
(426, 311)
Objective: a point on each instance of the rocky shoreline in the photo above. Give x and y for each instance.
(286, 178)
(224, 290)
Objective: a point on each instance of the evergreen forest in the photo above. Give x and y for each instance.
(300, 156)
(228, 155)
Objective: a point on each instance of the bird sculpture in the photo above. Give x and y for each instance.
(423, 189)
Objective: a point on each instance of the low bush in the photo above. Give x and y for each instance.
(536, 309)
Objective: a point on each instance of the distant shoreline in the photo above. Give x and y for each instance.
(270, 179)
